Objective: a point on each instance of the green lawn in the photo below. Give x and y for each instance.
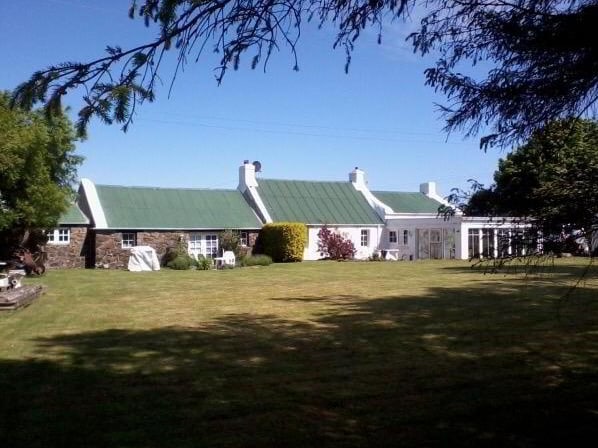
(304, 355)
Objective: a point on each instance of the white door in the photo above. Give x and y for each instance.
(423, 244)
(435, 244)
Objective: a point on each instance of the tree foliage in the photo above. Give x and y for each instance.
(230, 240)
(553, 178)
(37, 169)
(541, 53)
(543, 60)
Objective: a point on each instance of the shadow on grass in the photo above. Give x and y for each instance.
(534, 266)
(463, 367)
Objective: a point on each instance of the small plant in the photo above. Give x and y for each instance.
(180, 250)
(170, 255)
(334, 246)
(181, 263)
(203, 263)
(256, 260)
(376, 257)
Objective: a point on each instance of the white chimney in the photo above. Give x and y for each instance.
(429, 189)
(247, 176)
(357, 177)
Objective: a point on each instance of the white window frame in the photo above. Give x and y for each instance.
(211, 242)
(392, 236)
(59, 236)
(244, 239)
(203, 244)
(365, 238)
(405, 237)
(128, 240)
(194, 244)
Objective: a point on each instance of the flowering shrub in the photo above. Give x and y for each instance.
(334, 246)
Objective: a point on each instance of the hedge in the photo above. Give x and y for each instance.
(283, 241)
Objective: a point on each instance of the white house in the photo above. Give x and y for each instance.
(335, 204)
(399, 225)
(415, 229)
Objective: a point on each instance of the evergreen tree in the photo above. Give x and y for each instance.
(542, 55)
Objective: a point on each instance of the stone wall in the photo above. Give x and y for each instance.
(251, 239)
(71, 255)
(161, 241)
(110, 254)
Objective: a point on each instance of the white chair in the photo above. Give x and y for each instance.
(228, 258)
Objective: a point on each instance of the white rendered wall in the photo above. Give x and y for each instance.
(461, 225)
(353, 233)
(412, 224)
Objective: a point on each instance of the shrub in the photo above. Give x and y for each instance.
(181, 263)
(334, 246)
(283, 241)
(180, 250)
(170, 255)
(256, 260)
(203, 263)
(230, 240)
(376, 257)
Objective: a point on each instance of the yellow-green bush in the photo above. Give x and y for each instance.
(283, 241)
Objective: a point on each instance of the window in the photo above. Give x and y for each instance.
(201, 244)
(194, 245)
(474, 243)
(392, 236)
(64, 235)
(129, 240)
(365, 238)
(405, 237)
(195, 241)
(59, 236)
(520, 242)
(488, 243)
(211, 246)
(243, 239)
(504, 243)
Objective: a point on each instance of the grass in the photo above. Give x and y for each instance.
(315, 354)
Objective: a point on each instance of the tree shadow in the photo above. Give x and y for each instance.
(469, 367)
(535, 266)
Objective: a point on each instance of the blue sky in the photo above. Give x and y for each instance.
(317, 123)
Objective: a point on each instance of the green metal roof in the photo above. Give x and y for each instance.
(175, 208)
(314, 202)
(73, 215)
(408, 202)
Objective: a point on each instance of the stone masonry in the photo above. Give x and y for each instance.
(110, 254)
(70, 255)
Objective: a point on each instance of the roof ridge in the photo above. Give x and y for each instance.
(307, 180)
(166, 188)
(394, 191)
